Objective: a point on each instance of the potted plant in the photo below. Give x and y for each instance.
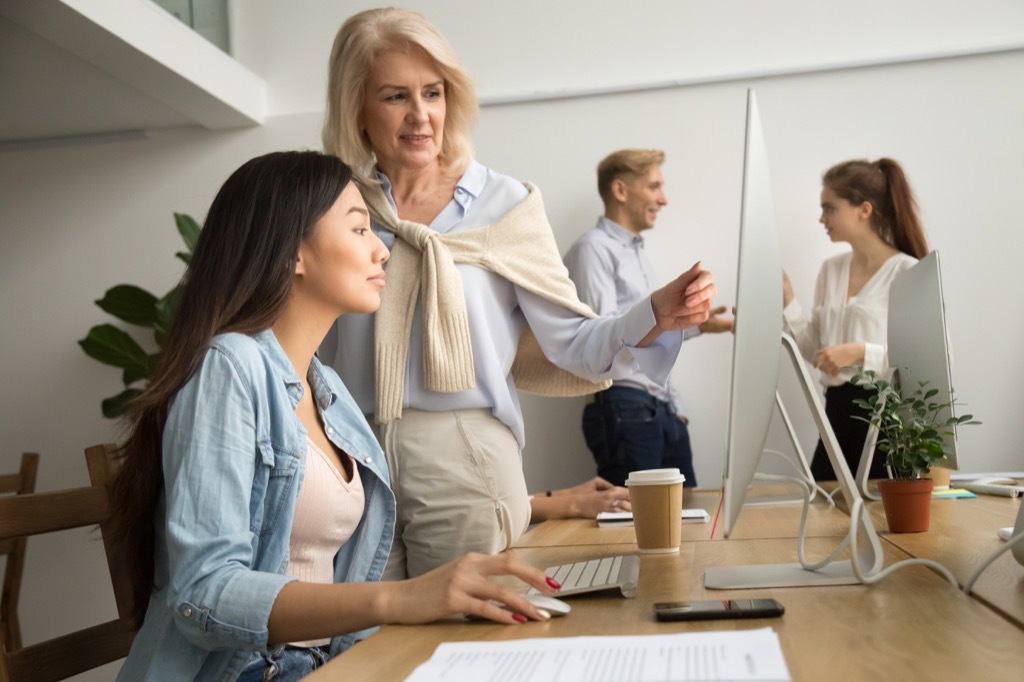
(113, 346)
(911, 428)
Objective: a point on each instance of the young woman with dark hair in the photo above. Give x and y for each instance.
(252, 492)
(870, 206)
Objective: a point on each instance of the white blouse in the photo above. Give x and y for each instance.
(835, 320)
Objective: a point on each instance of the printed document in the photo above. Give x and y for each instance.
(723, 655)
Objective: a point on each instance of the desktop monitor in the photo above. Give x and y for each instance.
(918, 345)
(758, 326)
(755, 368)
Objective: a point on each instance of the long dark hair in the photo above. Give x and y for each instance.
(894, 208)
(238, 281)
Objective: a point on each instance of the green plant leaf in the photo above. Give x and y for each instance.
(189, 230)
(130, 303)
(111, 346)
(114, 406)
(132, 374)
(134, 305)
(165, 314)
(912, 425)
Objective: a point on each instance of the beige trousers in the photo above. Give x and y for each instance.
(458, 479)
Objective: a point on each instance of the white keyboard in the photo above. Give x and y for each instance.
(605, 573)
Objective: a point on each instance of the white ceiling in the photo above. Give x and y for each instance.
(76, 70)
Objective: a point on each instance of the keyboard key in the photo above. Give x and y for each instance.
(604, 573)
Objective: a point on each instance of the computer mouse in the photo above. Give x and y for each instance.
(556, 607)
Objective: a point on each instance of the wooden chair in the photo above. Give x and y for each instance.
(38, 513)
(14, 549)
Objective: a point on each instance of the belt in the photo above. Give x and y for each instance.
(601, 397)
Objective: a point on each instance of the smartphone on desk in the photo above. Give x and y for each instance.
(718, 609)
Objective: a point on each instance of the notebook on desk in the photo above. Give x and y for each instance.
(613, 573)
(625, 518)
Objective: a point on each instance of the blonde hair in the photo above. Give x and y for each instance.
(360, 40)
(625, 163)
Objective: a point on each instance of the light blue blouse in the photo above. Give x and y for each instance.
(233, 460)
(595, 349)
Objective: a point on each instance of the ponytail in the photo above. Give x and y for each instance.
(884, 185)
(906, 231)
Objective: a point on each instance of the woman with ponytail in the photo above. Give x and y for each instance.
(252, 493)
(870, 206)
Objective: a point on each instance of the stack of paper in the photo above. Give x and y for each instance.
(722, 655)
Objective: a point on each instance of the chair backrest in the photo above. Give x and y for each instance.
(38, 513)
(14, 549)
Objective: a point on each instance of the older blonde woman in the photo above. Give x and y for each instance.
(478, 302)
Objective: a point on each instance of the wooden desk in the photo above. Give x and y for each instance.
(961, 535)
(911, 626)
(764, 521)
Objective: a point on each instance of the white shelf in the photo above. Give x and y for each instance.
(165, 73)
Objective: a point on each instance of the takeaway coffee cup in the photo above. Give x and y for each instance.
(656, 496)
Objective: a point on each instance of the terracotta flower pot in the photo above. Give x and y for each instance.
(908, 504)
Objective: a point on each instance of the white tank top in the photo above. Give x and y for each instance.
(327, 512)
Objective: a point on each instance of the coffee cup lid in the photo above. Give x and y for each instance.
(655, 477)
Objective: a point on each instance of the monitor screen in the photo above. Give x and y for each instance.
(758, 327)
(755, 372)
(918, 345)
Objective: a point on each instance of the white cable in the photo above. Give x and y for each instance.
(851, 541)
(858, 509)
(805, 489)
(803, 477)
(1010, 544)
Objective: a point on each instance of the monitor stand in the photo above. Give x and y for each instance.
(778, 575)
(869, 549)
(799, 461)
(867, 455)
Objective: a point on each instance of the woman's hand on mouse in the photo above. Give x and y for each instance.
(463, 586)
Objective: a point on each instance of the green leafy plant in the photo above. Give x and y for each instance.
(136, 306)
(910, 427)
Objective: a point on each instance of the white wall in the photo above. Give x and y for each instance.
(74, 221)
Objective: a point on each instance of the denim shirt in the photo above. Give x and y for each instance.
(233, 463)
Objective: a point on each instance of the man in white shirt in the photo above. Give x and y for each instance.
(638, 423)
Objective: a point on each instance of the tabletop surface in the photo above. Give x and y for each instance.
(912, 625)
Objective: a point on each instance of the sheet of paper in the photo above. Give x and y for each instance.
(725, 655)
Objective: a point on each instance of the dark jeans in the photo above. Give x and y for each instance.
(283, 664)
(628, 430)
(850, 434)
